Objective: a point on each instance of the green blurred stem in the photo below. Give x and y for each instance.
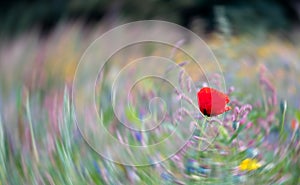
(203, 126)
(264, 98)
(3, 172)
(35, 153)
(283, 117)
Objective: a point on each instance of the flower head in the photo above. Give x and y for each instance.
(249, 165)
(294, 124)
(212, 102)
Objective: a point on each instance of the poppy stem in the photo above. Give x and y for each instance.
(203, 126)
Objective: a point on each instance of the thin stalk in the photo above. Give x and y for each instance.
(284, 107)
(264, 98)
(3, 172)
(35, 153)
(203, 126)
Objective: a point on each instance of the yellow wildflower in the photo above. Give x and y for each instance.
(249, 164)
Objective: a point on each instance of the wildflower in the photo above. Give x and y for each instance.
(97, 167)
(212, 102)
(252, 152)
(294, 124)
(204, 170)
(249, 165)
(196, 177)
(166, 176)
(138, 136)
(249, 125)
(191, 166)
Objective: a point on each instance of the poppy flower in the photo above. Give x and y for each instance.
(212, 102)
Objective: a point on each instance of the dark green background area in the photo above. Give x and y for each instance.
(19, 15)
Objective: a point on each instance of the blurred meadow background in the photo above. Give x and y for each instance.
(257, 44)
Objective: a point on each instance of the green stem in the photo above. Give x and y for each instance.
(283, 117)
(264, 99)
(202, 131)
(35, 153)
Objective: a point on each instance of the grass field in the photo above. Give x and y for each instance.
(257, 142)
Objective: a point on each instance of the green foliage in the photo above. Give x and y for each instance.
(47, 147)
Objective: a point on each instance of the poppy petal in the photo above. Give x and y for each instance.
(212, 102)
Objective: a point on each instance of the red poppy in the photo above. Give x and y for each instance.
(294, 124)
(212, 102)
